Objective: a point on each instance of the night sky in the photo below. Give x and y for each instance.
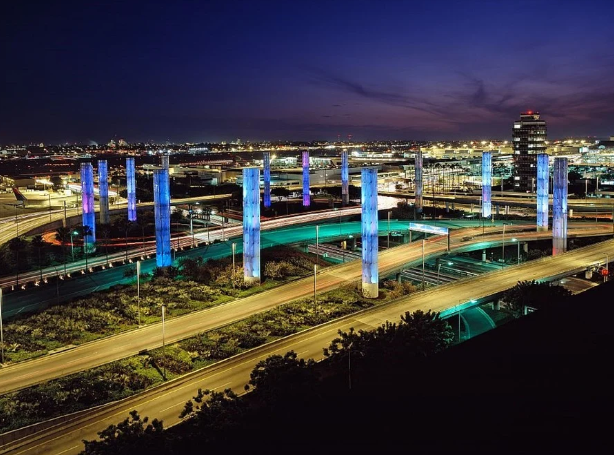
(303, 70)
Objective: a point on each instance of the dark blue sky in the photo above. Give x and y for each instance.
(255, 70)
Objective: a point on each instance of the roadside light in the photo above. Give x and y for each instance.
(450, 263)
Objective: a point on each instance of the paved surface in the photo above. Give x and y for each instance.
(166, 401)
(123, 345)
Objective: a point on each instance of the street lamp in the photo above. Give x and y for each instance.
(317, 244)
(503, 243)
(1, 332)
(49, 196)
(234, 248)
(607, 261)
(163, 344)
(423, 264)
(518, 243)
(72, 246)
(389, 212)
(138, 290)
(438, 269)
(315, 274)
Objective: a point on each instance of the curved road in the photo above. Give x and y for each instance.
(123, 345)
(166, 401)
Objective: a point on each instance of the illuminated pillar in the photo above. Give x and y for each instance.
(251, 224)
(103, 191)
(486, 184)
(267, 179)
(559, 207)
(345, 179)
(162, 217)
(305, 179)
(165, 162)
(418, 182)
(131, 189)
(543, 176)
(368, 189)
(87, 202)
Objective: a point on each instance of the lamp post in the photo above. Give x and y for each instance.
(234, 248)
(438, 269)
(191, 224)
(423, 264)
(138, 290)
(49, 196)
(389, 211)
(72, 246)
(1, 332)
(315, 274)
(518, 243)
(503, 244)
(163, 344)
(607, 269)
(317, 244)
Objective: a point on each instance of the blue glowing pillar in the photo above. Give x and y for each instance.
(103, 192)
(543, 177)
(345, 179)
(165, 162)
(251, 225)
(559, 207)
(267, 179)
(306, 199)
(162, 217)
(486, 184)
(87, 200)
(131, 189)
(418, 182)
(370, 275)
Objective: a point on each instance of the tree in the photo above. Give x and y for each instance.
(39, 244)
(532, 294)
(133, 435)
(17, 245)
(63, 234)
(282, 378)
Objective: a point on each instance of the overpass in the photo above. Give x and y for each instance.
(165, 402)
(130, 343)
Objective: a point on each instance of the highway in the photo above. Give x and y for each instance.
(129, 343)
(166, 401)
(137, 251)
(21, 224)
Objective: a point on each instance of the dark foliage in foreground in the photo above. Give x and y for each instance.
(282, 387)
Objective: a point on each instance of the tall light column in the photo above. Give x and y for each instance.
(418, 182)
(164, 161)
(162, 217)
(306, 198)
(370, 275)
(559, 207)
(486, 184)
(345, 179)
(87, 204)
(251, 224)
(543, 177)
(267, 179)
(131, 189)
(103, 191)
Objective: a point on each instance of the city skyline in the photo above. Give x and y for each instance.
(186, 72)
